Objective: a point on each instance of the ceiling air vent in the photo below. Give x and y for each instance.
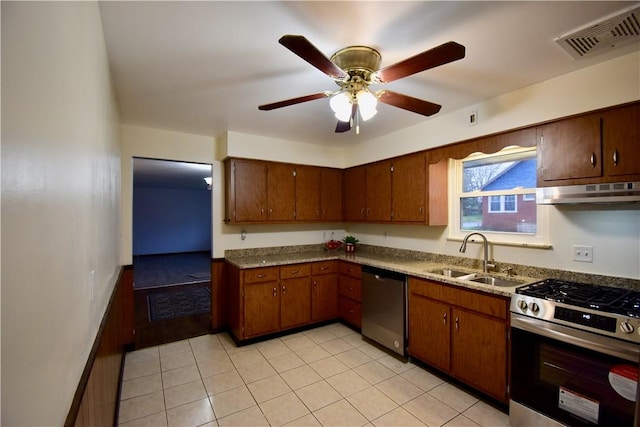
(607, 33)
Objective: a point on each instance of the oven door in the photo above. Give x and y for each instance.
(567, 376)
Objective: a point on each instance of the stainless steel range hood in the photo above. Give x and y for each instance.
(618, 192)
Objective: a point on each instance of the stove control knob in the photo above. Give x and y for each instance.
(534, 307)
(522, 305)
(626, 327)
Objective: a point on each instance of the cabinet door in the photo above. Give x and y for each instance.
(438, 193)
(324, 297)
(429, 327)
(331, 194)
(250, 191)
(261, 308)
(621, 141)
(295, 302)
(378, 191)
(307, 193)
(354, 200)
(479, 350)
(281, 192)
(409, 188)
(569, 149)
(350, 311)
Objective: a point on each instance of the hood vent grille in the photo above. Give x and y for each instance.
(610, 32)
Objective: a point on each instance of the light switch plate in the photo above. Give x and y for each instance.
(583, 253)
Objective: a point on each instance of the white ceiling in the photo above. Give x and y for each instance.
(153, 173)
(204, 67)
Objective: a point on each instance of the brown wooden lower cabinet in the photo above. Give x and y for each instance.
(266, 300)
(324, 290)
(461, 332)
(350, 293)
(295, 302)
(261, 308)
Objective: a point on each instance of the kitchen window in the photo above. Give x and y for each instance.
(495, 194)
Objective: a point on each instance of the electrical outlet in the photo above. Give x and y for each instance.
(583, 253)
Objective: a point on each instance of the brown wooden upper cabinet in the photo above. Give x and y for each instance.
(397, 190)
(591, 148)
(621, 141)
(367, 192)
(378, 191)
(409, 188)
(259, 191)
(354, 205)
(318, 194)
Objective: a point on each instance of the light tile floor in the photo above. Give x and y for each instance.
(327, 376)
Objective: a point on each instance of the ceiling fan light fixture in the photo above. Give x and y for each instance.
(367, 103)
(341, 106)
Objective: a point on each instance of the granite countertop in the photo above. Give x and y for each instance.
(410, 266)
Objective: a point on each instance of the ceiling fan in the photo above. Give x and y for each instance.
(355, 68)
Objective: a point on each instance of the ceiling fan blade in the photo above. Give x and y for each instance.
(305, 50)
(346, 126)
(343, 126)
(293, 101)
(443, 54)
(408, 103)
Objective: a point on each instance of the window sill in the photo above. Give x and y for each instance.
(531, 245)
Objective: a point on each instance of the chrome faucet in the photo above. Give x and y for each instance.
(463, 248)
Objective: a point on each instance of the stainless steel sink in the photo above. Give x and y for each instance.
(495, 281)
(462, 275)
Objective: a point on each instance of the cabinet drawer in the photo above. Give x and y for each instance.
(295, 270)
(350, 311)
(324, 267)
(350, 288)
(351, 269)
(263, 274)
(477, 301)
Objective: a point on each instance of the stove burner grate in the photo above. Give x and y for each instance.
(600, 298)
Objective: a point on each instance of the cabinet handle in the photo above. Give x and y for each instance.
(362, 212)
(350, 288)
(260, 276)
(444, 318)
(323, 268)
(457, 323)
(317, 212)
(368, 209)
(593, 160)
(351, 311)
(324, 211)
(315, 283)
(294, 271)
(275, 291)
(420, 211)
(616, 157)
(284, 289)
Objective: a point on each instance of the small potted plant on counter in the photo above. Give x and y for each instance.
(349, 244)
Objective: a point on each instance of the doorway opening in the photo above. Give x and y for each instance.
(171, 250)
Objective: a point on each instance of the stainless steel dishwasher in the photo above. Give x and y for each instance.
(384, 308)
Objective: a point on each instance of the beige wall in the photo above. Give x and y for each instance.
(60, 203)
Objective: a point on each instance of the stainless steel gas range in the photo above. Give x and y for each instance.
(575, 350)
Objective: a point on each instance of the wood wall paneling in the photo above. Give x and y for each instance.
(96, 398)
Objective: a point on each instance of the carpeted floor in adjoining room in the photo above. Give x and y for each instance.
(151, 271)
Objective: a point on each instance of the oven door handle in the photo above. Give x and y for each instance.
(591, 341)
